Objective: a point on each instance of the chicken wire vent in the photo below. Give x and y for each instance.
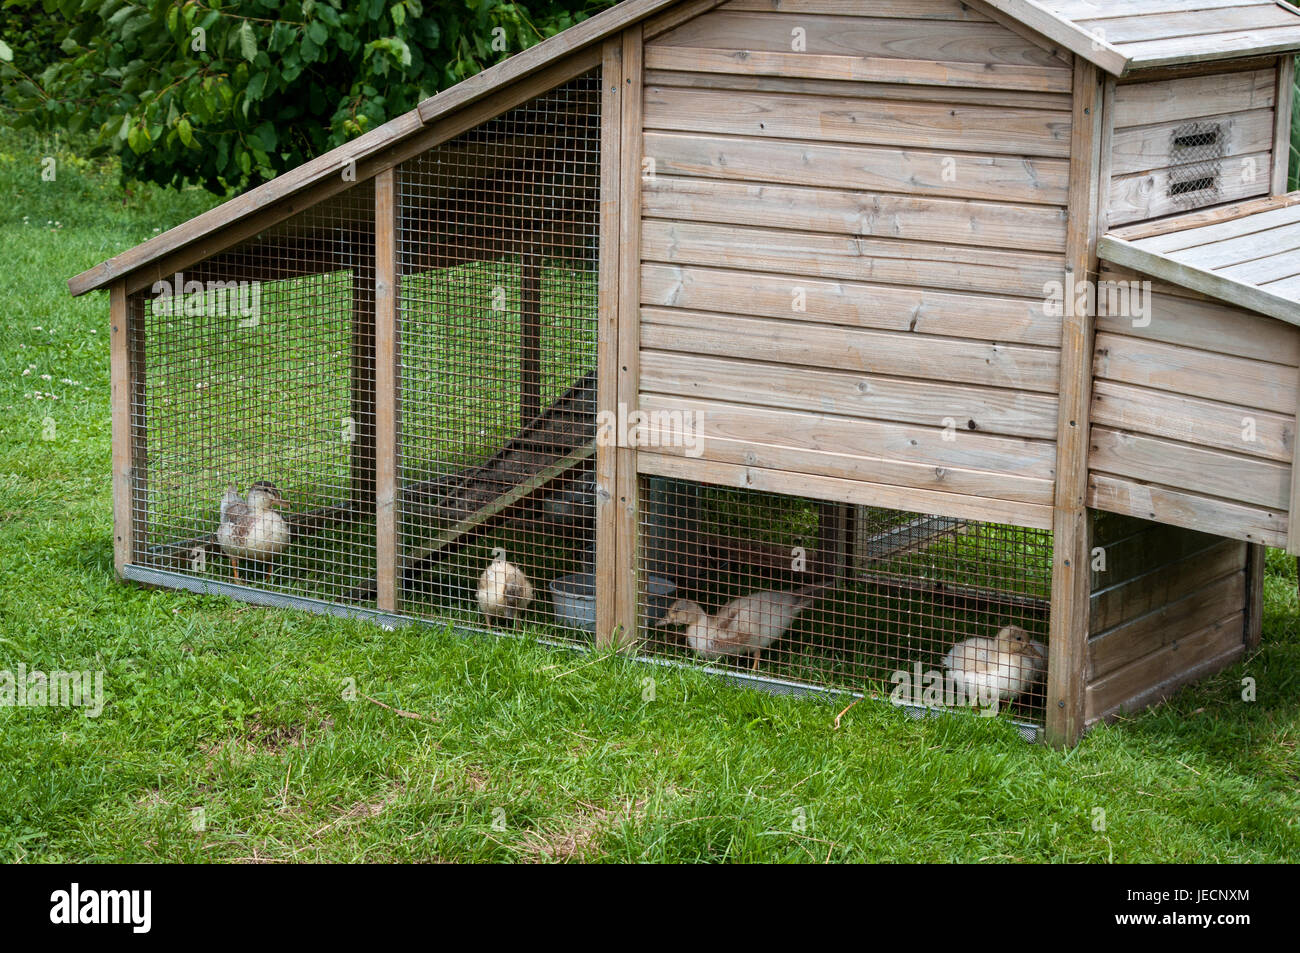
(498, 235)
(846, 597)
(1196, 149)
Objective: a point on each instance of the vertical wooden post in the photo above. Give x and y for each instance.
(386, 390)
(629, 335)
(607, 578)
(120, 400)
(1255, 556)
(1071, 576)
(1283, 104)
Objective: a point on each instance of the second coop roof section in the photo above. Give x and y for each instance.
(1247, 254)
(1125, 35)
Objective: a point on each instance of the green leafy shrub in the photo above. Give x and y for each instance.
(231, 94)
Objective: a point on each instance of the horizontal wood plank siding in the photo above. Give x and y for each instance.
(1194, 415)
(1168, 605)
(850, 217)
(1191, 142)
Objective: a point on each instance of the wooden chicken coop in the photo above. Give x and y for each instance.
(923, 321)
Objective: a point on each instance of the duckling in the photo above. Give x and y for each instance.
(252, 528)
(1004, 666)
(743, 626)
(504, 592)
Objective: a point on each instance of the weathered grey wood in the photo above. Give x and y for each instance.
(1205, 423)
(815, 255)
(964, 408)
(1184, 224)
(989, 130)
(1179, 508)
(1083, 9)
(918, 172)
(849, 436)
(916, 310)
(695, 78)
(1187, 23)
(1199, 470)
(1071, 545)
(1293, 506)
(627, 632)
(1264, 300)
(1175, 100)
(386, 362)
(1285, 101)
(860, 69)
(608, 574)
(674, 16)
(1088, 47)
(1147, 148)
(859, 491)
(1220, 46)
(1231, 225)
(120, 406)
(900, 9)
(865, 35)
(1271, 268)
(1147, 195)
(1165, 623)
(840, 211)
(850, 349)
(1136, 356)
(1159, 674)
(880, 470)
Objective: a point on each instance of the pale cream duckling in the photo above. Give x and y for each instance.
(1001, 667)
(252, 528)
(504, 592)
(744, 626)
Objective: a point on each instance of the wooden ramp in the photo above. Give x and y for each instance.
(542, 456)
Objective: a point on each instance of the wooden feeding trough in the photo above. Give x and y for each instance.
(905, 321)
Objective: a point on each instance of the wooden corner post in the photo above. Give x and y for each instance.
(1071, 556)
(619, 339)
(386, 408)
(120, 403)
(627, 585)
(611, 99)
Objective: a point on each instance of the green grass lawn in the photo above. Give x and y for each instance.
(246, 719)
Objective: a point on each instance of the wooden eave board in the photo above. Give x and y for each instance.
(463, 94)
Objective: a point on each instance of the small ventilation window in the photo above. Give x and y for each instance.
(1195, 155)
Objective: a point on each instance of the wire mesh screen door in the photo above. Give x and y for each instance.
(929, 611)
(252, 408)
(497, 264)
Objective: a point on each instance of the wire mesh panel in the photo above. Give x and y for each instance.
(927, 611)
(252, 408)
(497, 260)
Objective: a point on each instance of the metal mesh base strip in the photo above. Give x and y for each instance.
(276, 600)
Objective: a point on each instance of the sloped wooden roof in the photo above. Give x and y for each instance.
(284, 187)
(1125, 35)
(1134, 34)
(1247, 254)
